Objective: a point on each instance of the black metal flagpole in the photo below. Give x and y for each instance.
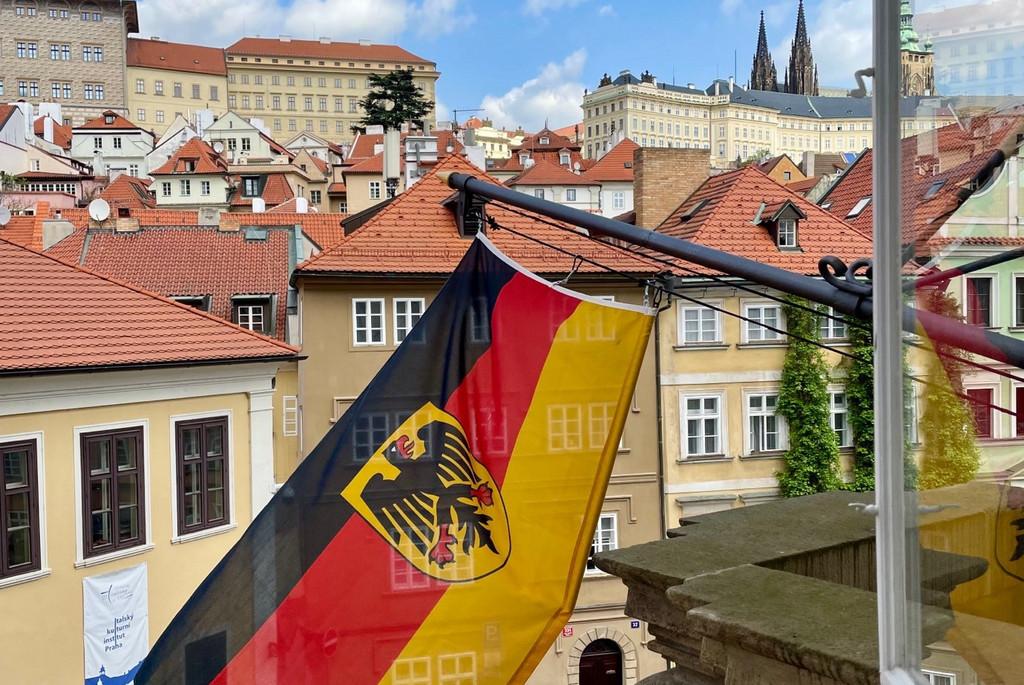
(838, 287)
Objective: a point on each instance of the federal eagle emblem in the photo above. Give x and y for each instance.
(1010, 531)
(426, 494)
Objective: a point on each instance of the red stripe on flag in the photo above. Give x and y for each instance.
(347, 618)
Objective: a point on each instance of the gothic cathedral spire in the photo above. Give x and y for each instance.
(802, 75)
(763, 75)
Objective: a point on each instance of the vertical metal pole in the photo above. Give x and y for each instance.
(896, 659)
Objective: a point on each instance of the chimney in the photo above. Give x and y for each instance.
(301, 205)
(97, 163)
(663, 179)
(259, 205)
(48, 129)
(732, 82)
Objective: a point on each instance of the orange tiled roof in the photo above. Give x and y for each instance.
(556, 142)
(27, 231)
(731, 203)
(275, 47)
(117, 122)
(55, 316)
(570, 132)
(160, 54)
(336, 189)
(196, 150)
(544, 172)
(323, 228)
(320, 164)
(363, 146)
(5, 113)
(289, 207)
(61, 133)
(417, 234)
(804, 185)
(274, 190)
(370, 165)
(616, 165)
(948, 158)
(190, 260)
(128, 191)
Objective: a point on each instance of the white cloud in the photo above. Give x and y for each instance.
(222, 22)
(442, 111)
(606, 11)
(555, 95)
(538, 7)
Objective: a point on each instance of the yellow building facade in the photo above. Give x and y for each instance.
(169, 79)
(314, 85)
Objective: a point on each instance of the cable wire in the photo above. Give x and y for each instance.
(651, 284)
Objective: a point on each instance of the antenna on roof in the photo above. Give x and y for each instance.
(99, 210)
(5, 216)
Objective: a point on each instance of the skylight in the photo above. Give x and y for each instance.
(934, 189)
(859, 207)
(693, 209)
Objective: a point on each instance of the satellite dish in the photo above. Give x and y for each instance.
(577, 166)
(218, 147)
(5, 216)
(99, 210)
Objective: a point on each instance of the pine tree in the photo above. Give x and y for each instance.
(398, 89)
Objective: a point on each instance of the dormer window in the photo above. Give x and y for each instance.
(250, 186)
(787, 234)
(563, 158)
(190, 165)
(108, 118)
(523, 158)
(544, 140)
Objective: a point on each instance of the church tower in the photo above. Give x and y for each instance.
(917, 62)
(763, 75)
(802, 75)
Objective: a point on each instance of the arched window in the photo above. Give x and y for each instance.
(25, 8)
(601, 663)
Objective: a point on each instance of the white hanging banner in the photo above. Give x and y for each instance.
(116, 625)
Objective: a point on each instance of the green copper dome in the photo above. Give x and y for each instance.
(909, 39)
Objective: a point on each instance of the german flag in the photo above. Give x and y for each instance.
(441, 527)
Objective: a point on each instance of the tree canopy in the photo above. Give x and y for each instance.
(397, 88)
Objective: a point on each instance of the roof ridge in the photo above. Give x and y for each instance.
(156, 296)
(398, 201)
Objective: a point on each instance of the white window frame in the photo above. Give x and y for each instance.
(929, 676)
(684, 416)
(597, 545)
(682, 307)
(289, 416)
(781, 428)
(618, 199)
(570, 195)
(993, 278)
(44, 566)
(787, 228)
(250, 306)
(995, 418)
(383, 322)
(1013, 288)
(832, 413)
(830, 325)
(861, 204)
(396, 329)
(232, 521)
(374, 190)
(80, 560)
(769, 336)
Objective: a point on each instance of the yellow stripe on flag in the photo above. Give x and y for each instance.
(496, 629)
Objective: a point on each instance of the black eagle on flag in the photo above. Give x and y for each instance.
(438, 498)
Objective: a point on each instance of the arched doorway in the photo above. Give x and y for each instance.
(601, 663)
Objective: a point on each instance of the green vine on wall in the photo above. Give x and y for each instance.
(812, 461)
(860, 399)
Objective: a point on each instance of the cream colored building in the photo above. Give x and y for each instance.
(314, 85)
(166, 80)
(735, 123)
(77, 514)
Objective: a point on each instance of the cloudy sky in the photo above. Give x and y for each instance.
(527, 61)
